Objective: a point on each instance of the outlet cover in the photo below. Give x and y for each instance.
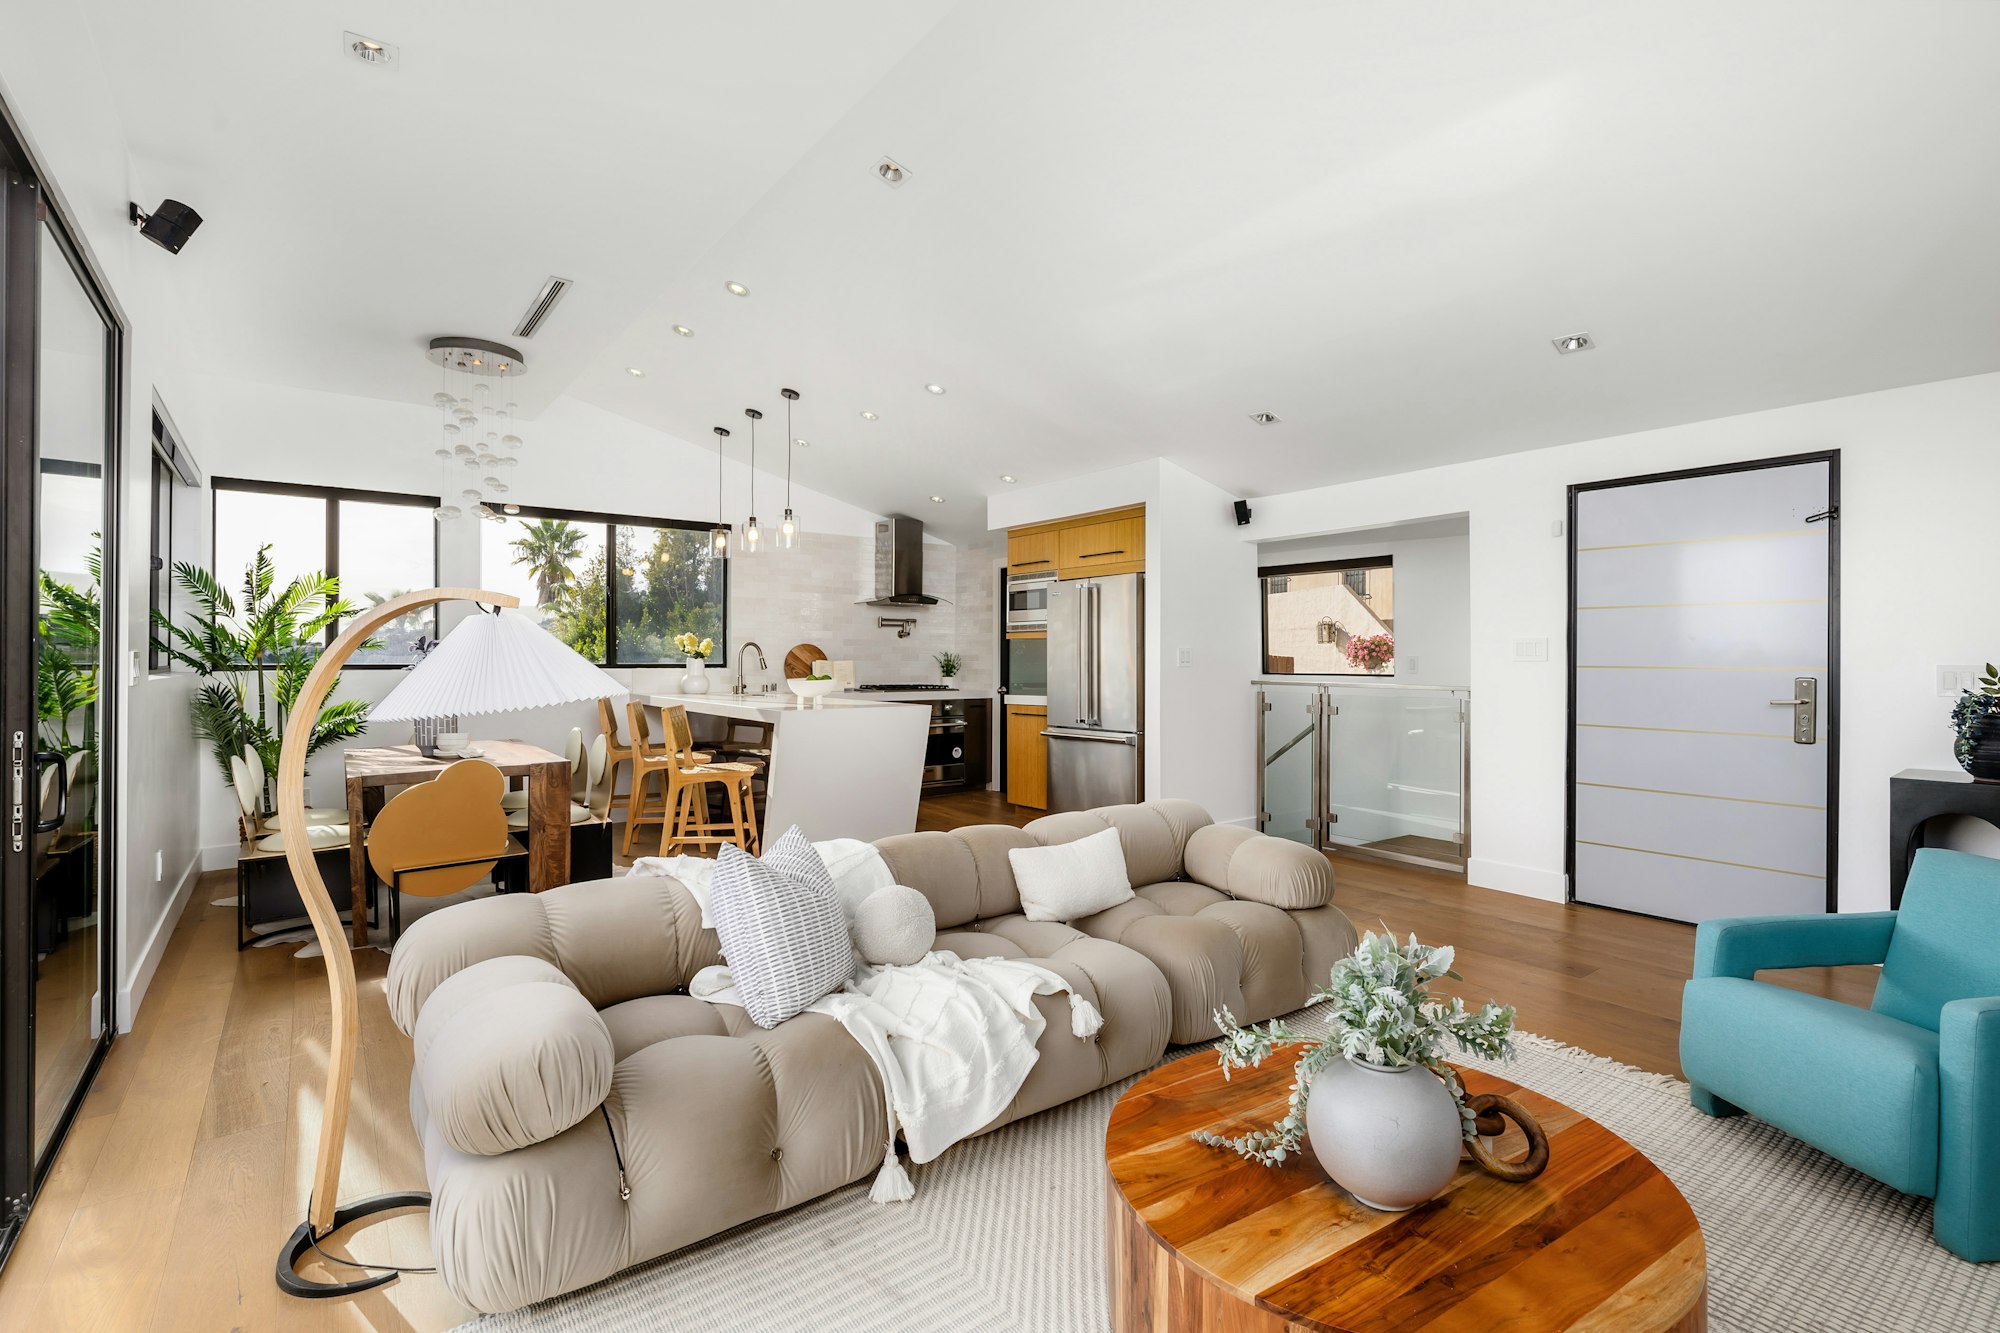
(1953, 681)
(1531, 650)
(159, 867)
(1184, 657)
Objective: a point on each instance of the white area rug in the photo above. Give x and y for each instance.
(1006, 1233)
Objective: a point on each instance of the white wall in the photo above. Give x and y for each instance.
(1915, 555)
(1433, 579)
(584, 458)
(1201, 583)
(52, 82)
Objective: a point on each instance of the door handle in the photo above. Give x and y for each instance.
(1804, 704)
(61, 817)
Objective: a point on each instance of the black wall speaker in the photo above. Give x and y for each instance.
(169, 226)
(1242, 512)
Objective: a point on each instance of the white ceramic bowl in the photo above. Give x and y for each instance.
(814, 690)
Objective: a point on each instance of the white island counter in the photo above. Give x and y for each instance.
(853, 768)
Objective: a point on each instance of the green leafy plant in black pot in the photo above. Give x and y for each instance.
(1976, 720)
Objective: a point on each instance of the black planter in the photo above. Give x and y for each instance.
(1979, 748)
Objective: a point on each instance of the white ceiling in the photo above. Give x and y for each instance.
(1128, 225)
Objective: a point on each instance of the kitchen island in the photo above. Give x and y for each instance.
(853, 768)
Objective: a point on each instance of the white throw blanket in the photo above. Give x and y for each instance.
(952, 1038)
(857, 869)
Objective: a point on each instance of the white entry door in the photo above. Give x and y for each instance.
(1702, 690)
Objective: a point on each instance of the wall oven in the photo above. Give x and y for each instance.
(1028, 601)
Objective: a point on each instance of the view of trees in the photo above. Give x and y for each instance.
(661, 583)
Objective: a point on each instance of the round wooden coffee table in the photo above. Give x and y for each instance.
(1199, 1239)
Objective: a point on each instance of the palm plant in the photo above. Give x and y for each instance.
(550, 548)
(66, 665)
(253, 661)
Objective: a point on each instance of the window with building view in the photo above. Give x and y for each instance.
(376, 545)
(616, 589)
(1332, 619)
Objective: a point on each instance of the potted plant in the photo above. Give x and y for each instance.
(696, 651)
(253, 660)
(949, 664)
(1385, 1113)
(1975, 719)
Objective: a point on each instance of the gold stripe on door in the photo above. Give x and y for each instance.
(1698, 795)
(1701, 541)
(1706, 860)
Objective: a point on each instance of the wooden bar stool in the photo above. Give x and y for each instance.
(682, 808)
(616, 752)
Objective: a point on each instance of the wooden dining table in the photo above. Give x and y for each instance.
(372, 768)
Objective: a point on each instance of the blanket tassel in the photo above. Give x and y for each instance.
(1084, 1020)
(892, 1183)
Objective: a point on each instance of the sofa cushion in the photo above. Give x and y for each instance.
(894, 927)
(1853, 1083)
(636, 1024)
(1246, 864)
(519, 1066)
(1151, 835)
(784, 934)
(1071, 879)
(964, 873)
(470, 989)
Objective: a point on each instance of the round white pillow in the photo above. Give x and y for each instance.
(894, 927)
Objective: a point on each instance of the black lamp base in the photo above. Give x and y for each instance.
(302, 1240)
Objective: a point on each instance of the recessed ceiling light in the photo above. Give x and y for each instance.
(635, 372)
(1265, 418)
(934, 388)
(870, 416)
(737, 289)
(684, 330)
(1006, 477)
(937, 499)
(892, 172)
(803, 444)
(1573, 342)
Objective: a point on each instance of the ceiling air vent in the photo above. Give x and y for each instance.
(539, 308)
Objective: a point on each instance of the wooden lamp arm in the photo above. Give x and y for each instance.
(346, 1025)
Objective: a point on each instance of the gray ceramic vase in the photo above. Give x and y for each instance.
(1389, 1137)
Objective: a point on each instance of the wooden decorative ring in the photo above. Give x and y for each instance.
(1488, 1111)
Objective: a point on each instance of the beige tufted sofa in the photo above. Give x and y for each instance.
(719, 1122)
(1232, 918)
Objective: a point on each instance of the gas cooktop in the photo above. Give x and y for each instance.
(899, 689)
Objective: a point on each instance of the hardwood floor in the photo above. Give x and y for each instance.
(193, 1153)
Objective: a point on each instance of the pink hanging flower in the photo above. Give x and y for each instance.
(1370, 651)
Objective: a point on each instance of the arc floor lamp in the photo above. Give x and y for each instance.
(487, 664)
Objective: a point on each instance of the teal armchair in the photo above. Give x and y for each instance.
(1908, 1090)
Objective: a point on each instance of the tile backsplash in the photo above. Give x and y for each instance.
(812, 595)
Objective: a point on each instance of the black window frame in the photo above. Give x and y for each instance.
(611, 523)
(1267, 572)
(332, 495)
(173, 469)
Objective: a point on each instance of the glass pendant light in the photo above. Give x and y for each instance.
(751, 535)
(788, 531)
(718, 536)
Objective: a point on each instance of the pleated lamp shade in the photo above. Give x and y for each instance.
(501, 663)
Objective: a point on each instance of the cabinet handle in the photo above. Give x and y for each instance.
(1023, 564)
(1092, 555)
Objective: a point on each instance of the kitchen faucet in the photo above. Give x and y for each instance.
(739, 687)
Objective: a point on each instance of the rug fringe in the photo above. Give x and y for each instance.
(1581, 1056)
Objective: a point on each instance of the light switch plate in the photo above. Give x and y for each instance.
(1184, 657)
(1953, 681)
(1531, 650)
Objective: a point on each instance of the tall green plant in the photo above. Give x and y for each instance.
(254, 659)
(70, 630)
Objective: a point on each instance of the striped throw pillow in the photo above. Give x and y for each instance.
(781, 927)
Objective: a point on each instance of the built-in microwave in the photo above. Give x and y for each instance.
(1028, 601)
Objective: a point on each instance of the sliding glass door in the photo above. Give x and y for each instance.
(58, 407)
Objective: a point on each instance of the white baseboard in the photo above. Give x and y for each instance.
(134, 992)
(1528, 881)
(222, 856)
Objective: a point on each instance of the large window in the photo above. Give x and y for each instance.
(377, 545)
(616, 589)
(1335, 618)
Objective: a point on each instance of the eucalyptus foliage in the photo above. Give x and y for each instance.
(1383, 1015)
(254, 657)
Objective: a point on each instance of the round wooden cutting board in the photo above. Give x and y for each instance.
(799, 661)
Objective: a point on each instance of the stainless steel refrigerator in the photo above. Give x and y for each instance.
(1097, 660)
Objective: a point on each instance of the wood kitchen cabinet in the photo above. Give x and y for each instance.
(1031, 551)
(1027, 756)
(1102, 546)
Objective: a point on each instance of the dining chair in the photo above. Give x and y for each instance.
(441, 836)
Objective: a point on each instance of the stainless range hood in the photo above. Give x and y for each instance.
(899, 564)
